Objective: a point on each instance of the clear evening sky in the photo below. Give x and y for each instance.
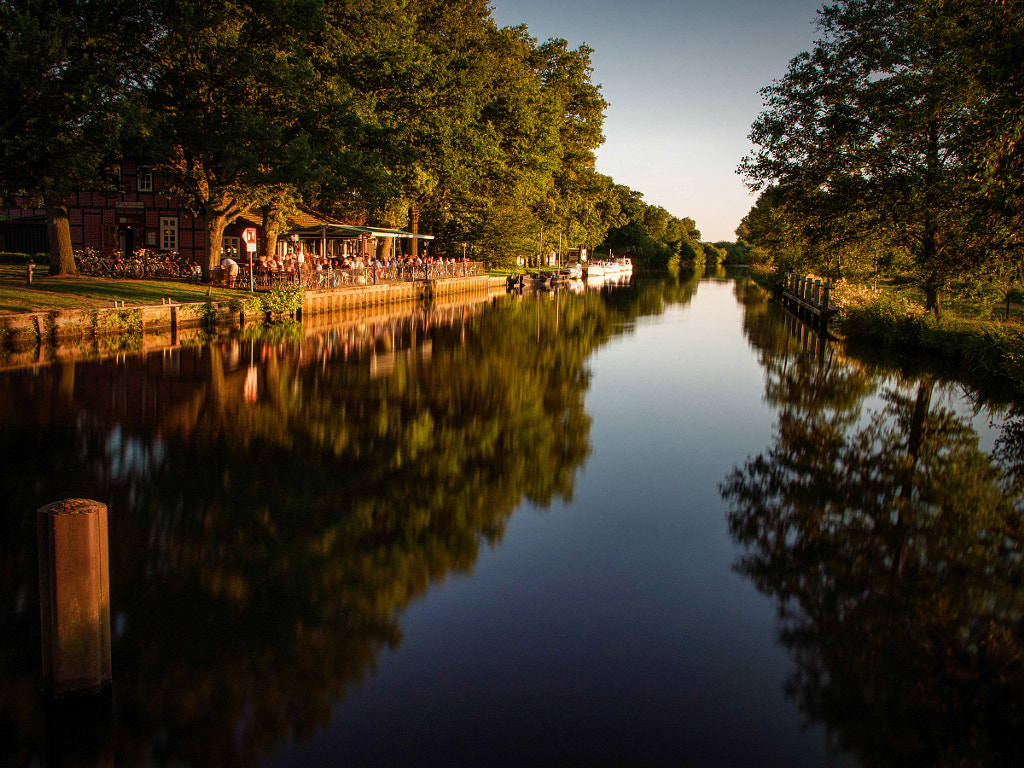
(681, 78)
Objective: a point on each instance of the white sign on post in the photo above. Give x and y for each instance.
(249, 236)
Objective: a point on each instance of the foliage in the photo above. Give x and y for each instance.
(649, 234)
(713, 255)
(281, 301)
(735, 253)
(415, 114)
(68, 69)
(235, 127)
(23, 258)
(984, 348)
(867, 146)
(119, 321)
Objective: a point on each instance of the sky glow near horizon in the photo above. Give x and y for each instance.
(682, 81)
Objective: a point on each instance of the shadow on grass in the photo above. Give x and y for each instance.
(17, 295)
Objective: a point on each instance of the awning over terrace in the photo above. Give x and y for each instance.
(349, 230)
(334, 239)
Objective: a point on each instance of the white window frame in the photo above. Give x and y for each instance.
(168, 233)
(144, 180)
(229, 243)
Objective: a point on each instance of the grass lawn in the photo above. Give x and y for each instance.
(17, 295)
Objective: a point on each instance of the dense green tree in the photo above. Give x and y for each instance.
(713, 254)
(790, 235)
(246, 103)
(432, 96)
(404, 114)
(735, 252)
(526, 175)
(69, 72)
(653, 237)
(995, 136)
(864, 137)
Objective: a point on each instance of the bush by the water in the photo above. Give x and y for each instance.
(983, 347)
(281, 301)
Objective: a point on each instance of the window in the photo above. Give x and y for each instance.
(144, 180)
(168, 233)
(229, 247)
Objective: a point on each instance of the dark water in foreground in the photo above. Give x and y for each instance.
(630, 527)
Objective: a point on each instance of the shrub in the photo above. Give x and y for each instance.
(985, 348)
(281, 300)
(24, 258)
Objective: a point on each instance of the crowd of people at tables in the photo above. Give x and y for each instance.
(287, 268)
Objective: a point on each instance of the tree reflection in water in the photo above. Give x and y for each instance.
(892, 545)
(277, 500)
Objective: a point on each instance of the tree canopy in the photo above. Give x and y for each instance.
(69, 70)
(892, 134)
(420, 114)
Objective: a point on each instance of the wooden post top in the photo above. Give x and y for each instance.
(71, 507)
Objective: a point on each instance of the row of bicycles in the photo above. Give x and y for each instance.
(143, 264)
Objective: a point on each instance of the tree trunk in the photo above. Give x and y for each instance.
(268, 233)
(215, 223)
(933, 283)
(933, 296)
(414, 227)
(58, 229)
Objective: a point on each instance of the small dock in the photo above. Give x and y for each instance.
(808, 297)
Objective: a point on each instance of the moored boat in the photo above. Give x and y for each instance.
(623, 265)
(572, 271)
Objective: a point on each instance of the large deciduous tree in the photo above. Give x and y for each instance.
(868, 133)
(68, 69)
(247, 105)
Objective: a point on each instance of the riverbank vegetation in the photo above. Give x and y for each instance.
(423, 115)
(887, 160)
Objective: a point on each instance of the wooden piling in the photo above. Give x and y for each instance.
(807, 295)
(74, 597)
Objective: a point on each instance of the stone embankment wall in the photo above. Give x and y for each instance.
(74, 327)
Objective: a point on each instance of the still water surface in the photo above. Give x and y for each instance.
(631, 527)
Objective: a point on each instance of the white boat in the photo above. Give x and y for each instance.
(572, 271)
(624, 265)
(595, 269)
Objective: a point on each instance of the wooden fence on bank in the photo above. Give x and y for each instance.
(807, 295)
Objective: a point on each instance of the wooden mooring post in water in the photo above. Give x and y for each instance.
(74, 597)
(808, 296)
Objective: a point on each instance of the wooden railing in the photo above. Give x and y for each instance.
(810, 294)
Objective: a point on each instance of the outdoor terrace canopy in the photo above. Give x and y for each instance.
(324, 232)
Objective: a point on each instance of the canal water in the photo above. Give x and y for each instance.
(655, 524)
